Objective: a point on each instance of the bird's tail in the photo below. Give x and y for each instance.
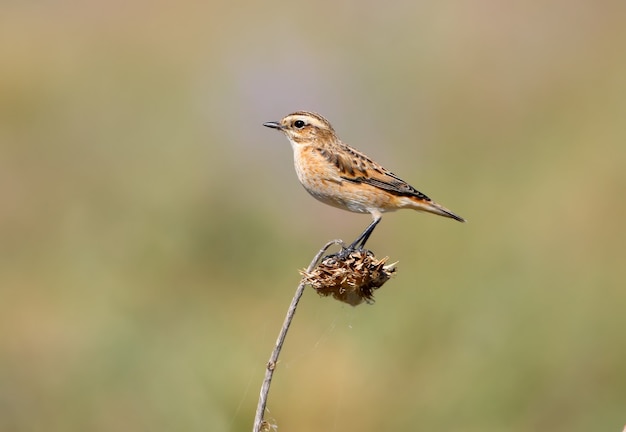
(429, 206)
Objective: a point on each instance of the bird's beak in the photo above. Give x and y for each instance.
(273, 125)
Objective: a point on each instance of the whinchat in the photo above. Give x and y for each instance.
(341, 176)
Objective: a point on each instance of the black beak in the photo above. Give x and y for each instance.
(273, 125)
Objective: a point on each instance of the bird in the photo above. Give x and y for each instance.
(343, 177)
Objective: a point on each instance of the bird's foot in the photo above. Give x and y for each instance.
(345, 252)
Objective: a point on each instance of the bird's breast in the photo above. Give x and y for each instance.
(323, 180)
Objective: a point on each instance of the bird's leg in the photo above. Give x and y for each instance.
(360, 241)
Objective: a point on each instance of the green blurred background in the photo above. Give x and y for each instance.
(151, 229)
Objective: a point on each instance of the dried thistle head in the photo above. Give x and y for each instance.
(350, 277)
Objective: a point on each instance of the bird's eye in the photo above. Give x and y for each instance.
(298, 124)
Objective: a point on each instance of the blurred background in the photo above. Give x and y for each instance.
(151, 230)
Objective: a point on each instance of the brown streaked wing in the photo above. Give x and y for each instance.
(392, 184)
(348, 166)
(364, 170)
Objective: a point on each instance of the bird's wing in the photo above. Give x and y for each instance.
(391, 183)
(356, 167)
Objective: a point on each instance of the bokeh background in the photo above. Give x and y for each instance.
(151, 229)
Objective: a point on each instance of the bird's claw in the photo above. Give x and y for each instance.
(345, 252)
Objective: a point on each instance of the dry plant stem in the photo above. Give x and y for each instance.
(271, 364)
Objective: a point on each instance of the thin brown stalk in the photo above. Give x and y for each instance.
(271, 364)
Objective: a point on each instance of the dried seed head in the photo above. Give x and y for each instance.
(349, 277)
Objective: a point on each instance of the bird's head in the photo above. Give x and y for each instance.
(303, 127)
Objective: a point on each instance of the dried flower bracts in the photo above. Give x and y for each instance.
(350, 277)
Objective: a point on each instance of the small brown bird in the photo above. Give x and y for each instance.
(338, 175)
